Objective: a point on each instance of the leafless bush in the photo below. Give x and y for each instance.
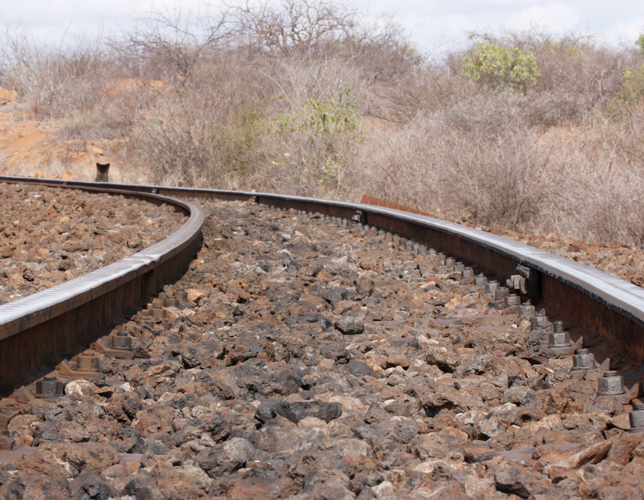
(55, 80)
(168, 45)
(296, 26)
(474, 159)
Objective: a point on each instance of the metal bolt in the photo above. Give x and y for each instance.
(491, 287)
(480, 280)
(468, 273)
(449, 261)
(636, 418)
(49, 388)
(501, 293)
(459, 266)
(558, 326)
(513, 300)
(539, 323)
(557, 340)
(122, 341)
(610, 384)
(87, 363)
(516, 281)
(583, 360)
(526, 309)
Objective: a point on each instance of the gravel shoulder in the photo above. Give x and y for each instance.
(49, 235)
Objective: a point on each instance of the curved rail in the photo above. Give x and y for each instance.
(592, 302)
(56, 322)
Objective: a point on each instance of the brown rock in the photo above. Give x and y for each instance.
(592, 488)
(623, 446)
(89, 484)
(195, 295)
(638, 451)
(591, 455)
(36, 485)
(395, 360)
(520, 481)
(621, 421)
(476, 455)
(259, 482)
(6, 443)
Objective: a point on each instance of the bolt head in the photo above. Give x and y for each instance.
(610, 384)
(49, 388)
(559, 339)
(636, 419)
(583, 360)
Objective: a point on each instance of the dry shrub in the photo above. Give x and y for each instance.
(308, 98)
(54, 80)
(475, 159)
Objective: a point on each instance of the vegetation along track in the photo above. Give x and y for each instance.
(328, 350)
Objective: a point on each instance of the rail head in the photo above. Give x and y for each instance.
(26, 312)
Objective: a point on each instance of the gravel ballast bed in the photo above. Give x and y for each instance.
(49, 235)
(305, 360)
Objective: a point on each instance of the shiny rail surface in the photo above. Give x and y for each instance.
(56, 322)
(593, 303)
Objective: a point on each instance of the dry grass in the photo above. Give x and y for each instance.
(263, 98)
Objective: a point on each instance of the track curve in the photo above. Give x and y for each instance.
(54, 323)
(596, 305)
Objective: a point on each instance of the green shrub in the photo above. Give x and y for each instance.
(321, 137)
(502, 68)
(640, 42)
(632, 84)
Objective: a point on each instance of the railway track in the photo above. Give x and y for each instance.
(593, 303)
(606, 311)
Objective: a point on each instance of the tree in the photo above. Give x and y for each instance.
(294, 26)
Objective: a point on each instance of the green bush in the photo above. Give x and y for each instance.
(632, 84)
(502, 68)
(640, 42)
(321, 137)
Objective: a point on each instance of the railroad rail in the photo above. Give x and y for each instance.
(53, 323)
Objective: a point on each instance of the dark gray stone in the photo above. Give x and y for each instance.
(297, 410)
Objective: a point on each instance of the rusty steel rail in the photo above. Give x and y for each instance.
(50, 325)
(593, 303)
